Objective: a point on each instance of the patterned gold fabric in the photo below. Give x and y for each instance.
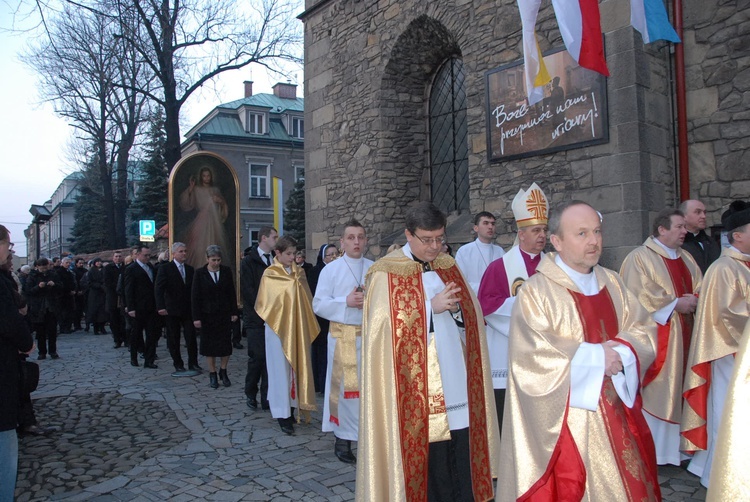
(729, 475)
(285, 303)
(395, 298)
(723, 309)
(344, 371)
(547, 332)
(646, 276)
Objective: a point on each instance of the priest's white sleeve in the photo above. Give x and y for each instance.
(586, 376)
(328, 301)
(626, 382)
(499, 320)
(663, 314)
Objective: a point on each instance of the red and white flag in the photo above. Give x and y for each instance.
(582, 32)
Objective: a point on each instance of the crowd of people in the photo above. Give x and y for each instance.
(542, 372)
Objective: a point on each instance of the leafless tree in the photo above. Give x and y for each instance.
(91, 76)
(186, 43)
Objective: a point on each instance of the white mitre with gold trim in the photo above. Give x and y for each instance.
(530, 207)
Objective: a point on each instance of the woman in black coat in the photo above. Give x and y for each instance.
(327, 254)
(214, 302)
(14, 338)
(96, 312)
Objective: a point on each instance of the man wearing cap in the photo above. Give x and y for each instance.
(665, 278)
(723, 310)
(474, 258)
(704, 249)
(574, 428)
(500, 283)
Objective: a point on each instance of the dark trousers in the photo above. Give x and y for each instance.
(149, 322)
(175, 324)
(236, 331)
(449, 469)
(499, 405)
(78, 311)
(319, 356)
(46, 334)
(256, 363)
(117, 325)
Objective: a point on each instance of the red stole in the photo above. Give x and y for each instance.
(409, 332)
(628, 432)
(682, 282)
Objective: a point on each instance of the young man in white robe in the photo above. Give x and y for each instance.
(474, 258)
(339, 298)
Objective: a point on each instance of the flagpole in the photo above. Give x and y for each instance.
(682, 135)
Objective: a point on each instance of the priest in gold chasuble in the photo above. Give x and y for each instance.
(723, 310)
(573, 427)
(428, 428)
(666, 280)
(729, 479)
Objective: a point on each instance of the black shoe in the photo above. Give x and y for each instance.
(264, 405)
(38, 430)
(134, 362)
(237, 345)
(54, 355)
(86, 329)
(343, 451)
(194, 367)
(179, 369)
(224, 378)
(150, 366)
(287, 425)
(41, 356)
(213, 380)
(252, 403)
(117, 345)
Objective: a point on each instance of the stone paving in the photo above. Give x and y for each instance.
(137, 434)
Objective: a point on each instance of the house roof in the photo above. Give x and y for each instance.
(223, 123)
(270, 101)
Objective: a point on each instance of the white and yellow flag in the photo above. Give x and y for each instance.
(535, 73)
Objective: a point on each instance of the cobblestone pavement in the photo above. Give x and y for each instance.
(138, 434)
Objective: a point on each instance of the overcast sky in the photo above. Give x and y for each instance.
(33, 140)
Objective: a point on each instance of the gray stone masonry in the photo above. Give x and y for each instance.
(368, 70)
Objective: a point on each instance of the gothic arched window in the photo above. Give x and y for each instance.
(449, 156)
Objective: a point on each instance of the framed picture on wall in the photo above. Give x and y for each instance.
(572, 114)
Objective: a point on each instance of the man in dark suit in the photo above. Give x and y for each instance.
(140, 305)
(251, 270)
(704, 249)
(174, 281)
(112, 273)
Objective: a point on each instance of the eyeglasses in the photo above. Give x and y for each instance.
(432, 241)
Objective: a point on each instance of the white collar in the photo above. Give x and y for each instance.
(671, 252)
(587, 283)
(737, 250)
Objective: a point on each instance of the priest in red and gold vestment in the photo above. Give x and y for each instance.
(723, 310)
(428, 428)
(666, 279)
(573, 426)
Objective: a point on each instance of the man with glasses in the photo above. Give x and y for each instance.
(429, 427)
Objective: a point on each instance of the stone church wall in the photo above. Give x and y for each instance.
(368, 70)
